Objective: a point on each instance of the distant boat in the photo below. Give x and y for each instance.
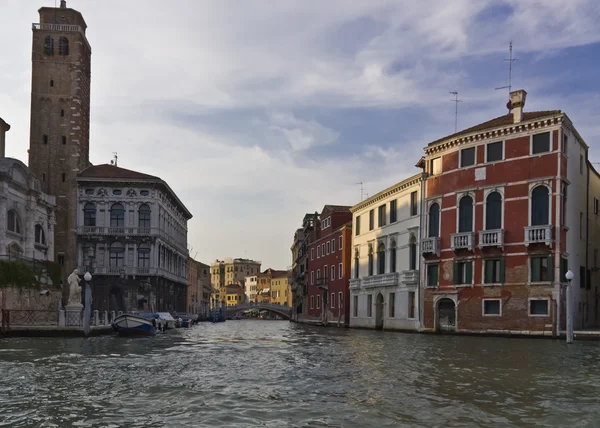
(164, 319)
(133, 325)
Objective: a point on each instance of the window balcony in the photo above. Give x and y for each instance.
(462, 241)
(383, 280)
(410, 277)
(430, 246)
(354, 283)
(538, 235)
(491, 238)
(120, 231)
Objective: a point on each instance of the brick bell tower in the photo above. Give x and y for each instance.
(60, 117)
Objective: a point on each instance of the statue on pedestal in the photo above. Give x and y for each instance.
(74, 289)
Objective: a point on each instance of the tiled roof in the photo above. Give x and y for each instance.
(337, 208)
(505, 120)
(111, 171)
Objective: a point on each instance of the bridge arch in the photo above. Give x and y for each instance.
(283, 311)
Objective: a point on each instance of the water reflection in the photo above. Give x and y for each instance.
(274, 374)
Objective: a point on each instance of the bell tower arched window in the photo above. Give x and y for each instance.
(63, 46)
(48, 46)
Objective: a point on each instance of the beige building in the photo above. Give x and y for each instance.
(281, 288)
(231, 271)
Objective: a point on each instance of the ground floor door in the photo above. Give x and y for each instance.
(446, 315)
(379, 312)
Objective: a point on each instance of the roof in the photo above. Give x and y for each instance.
(112, 171)
(393, 189)
(336, 208)
(505, 120)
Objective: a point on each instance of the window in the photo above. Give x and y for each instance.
(370, 262)
(144, 256)
(541, 268)
(393, 257)
(89, 215)
(371, 219)
(318, 301)
(63, 46)
(467, 157)
(62, 113)
(340, 243)
(596, 206)
(564, 204)
(434, 220)
(565, 147)
(48, 46)
(432, 275)
(323, 250)
(381, 259)
(381, 216)
(117, 216)
(144, 216)
(340, 274)
(356, 264)
(333, 245)
(435, 166)
(463, 273)
(340, 300)
(370, 305)
(318, 251)
(144, 192)
(465, 214)
(14, 223)
(581, 225)
(493, 271)
(312, 302)
(43, 176)
(493, 152)
(411, 304)
(393, 211)
(89, 191)
(538, 307)
(328, 247)
(51, 83)
(40, 237)
(355, 306)
(61, 259)
(493, 211)
(357, 226)
(332, 277)
(392, 308)
(491, 307)
(117, 254)
(581, 163)
(413, 204)
(312, 277)
(117, 192)
(540, 206)
(412, 253)
(64, 140)
(64, 177)
(312, 253)
(332, 303)
(581, 276)
(540, 143)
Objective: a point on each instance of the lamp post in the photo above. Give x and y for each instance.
(569, 276)
(87, 308)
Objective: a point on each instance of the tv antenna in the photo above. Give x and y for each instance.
(455, 101)
(361, 190)
(115, 160)
(510, 63)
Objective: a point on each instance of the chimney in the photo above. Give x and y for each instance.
(63, 4)
(517, 102)
(3, 128)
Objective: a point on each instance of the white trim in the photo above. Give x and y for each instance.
(483, 308)
(550, 148)
(538, 315)
(312, 254)
(328, 247)
(460, 165)
(486, 193)
(485, 146)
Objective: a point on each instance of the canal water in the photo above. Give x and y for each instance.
(277, 374)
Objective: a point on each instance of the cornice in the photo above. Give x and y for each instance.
(384, 194)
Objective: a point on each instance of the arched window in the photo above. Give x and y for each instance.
(40, 237)
(412, 253)
(45, 139)
(370, 261)
(48, 46)
(63, 46)
(434, 220)
(13, 223)
(117, 254)
(144, 217)
(465, 214)
(89, 215)
(144, 256)
(356, 263)
(117, 216)
(493, 211)
(540, 206)
(380, 259)
(393, 257)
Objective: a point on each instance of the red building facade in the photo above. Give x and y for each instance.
(328, 271)
(494, 234)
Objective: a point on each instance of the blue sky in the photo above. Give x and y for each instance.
(257, 112)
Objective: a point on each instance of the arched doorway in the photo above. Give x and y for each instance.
(379, 312)
(446, 315)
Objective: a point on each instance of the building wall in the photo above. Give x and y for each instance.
(231, 271)
(281, 293)
(250, 288)
(593, 236)
(387, 299)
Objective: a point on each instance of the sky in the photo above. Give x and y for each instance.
(258, 112)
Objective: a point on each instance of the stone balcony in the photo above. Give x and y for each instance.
(354, 283)
(383, 280)
(538, 235)
(430, 246)
(117, 231)
(491, 238)
(462, 241)
(410, 277)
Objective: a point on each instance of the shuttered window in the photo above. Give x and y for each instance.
(434, 220)
(465, 214)
(540, 206)
(493, 211)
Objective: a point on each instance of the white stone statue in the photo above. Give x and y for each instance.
(74, 289)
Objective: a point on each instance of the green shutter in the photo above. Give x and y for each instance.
(469, 272)
(536, 267)
(502, 267)
(437, 275)
(455, 273)
(550, 268)
(488, 271)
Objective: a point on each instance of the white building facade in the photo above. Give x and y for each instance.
(384, 289)
(250, 288)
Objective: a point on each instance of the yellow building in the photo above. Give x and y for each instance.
(234, 295)
(230, 271)
(280, 288)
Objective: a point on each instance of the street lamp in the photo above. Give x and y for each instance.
(87, 277)
(569, 276)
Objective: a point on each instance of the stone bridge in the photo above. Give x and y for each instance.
(283, 311)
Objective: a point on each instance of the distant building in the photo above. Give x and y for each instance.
(264, 282)
(299, 286)
(250, 288)
(234, 295)
(231, 271)
(199, 289)
(132, 236)
(281, 290)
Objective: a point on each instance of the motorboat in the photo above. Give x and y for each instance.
(133, 325)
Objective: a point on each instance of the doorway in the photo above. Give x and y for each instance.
(446, 315)
(379, 312)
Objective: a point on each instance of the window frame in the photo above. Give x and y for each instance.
(340, 241)
(464, 271)
(312, 302)
(412, 305)
(42, 242)
(432, 164)
(459, 216)
(428, 275)
(549, 268)
(460, 157)
(381, 215)
(332, 272)
(547, 300)
(18, 225)
(503, 152)
(531, 190)
(371, 219)
(357, 226)
(393, 211)
(485, 209)
(333, 245)
(332, 301)
(483, 302)
(439, 219)
(340, 271)
(414, 204)
(500, 262)
(550, 143)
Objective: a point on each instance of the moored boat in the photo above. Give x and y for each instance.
(133, 325)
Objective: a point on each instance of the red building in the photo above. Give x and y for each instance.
(498, 234)
(329, 267)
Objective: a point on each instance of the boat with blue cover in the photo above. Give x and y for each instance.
(133, 325)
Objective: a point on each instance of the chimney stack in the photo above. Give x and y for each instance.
(63, 4)
(517, 102)
(3, 128)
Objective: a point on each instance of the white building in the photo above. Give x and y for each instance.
(132, 235)
(384, 289)
(250, 288)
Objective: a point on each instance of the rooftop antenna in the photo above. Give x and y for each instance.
(510, 63)
(361, 190)
(455, 101)
(115, 161)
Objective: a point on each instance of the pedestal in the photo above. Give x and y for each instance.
(73, 315)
